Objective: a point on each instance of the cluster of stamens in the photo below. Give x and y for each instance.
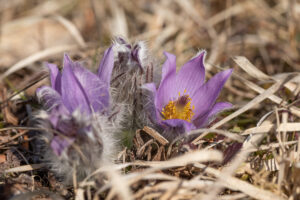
(179, 109)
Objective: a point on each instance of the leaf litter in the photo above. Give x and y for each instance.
(260, 39)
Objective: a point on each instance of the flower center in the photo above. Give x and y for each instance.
(179, 109)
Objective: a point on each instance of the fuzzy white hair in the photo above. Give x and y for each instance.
(118, 46)
(143, 53)
(121, 46)
(130, 73)
(89, 151)
(47, 97)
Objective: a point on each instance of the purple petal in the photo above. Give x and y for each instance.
(192, 75)
(59, 144)
(106, 66)
(231, 151)
(135, 52)
(56, 115)
(180, 124)
(169, 66)
(172, 128)
(48, 97)
(205, 97)
(219, 107)
(73, 94)
(121, 41)
(55, 77)
(210, 116)
(151, 87)
(95, 89)
(167, 90)
(154, 114)
(66, 126)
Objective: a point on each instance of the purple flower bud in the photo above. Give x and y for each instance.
(130, 57)
(79, 141)
(183, 101)
(133, 67)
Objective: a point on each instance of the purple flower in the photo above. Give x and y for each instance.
(130, 57)
(183, 101)
(75, 93)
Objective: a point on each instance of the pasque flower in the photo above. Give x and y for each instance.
(130, 66)
(129, 57)
(183, 101)
(133, 67)
(77, 109)
(76, 88)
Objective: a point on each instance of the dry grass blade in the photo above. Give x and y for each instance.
(156, 135)
(119, 24)
(229, 170)
(25, 168)
(183, 160)
(248, 67)
(79, 194)
(36, 57)
(22, 90)
(272, 146)
(228, 134)
(289, 127)
(233, 196)
(72, 29)
(243, 186)
(189, 158)
(159, 176)
(119, 185)
(14, 137)
(294, 110)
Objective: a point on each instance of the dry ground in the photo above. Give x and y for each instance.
(258, 139)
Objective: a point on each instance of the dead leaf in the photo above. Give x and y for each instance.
(156, 135)
(7, 114)
(2, 158)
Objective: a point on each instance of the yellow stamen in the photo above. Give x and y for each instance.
(179, 109)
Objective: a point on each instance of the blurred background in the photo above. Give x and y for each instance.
(267, 32)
